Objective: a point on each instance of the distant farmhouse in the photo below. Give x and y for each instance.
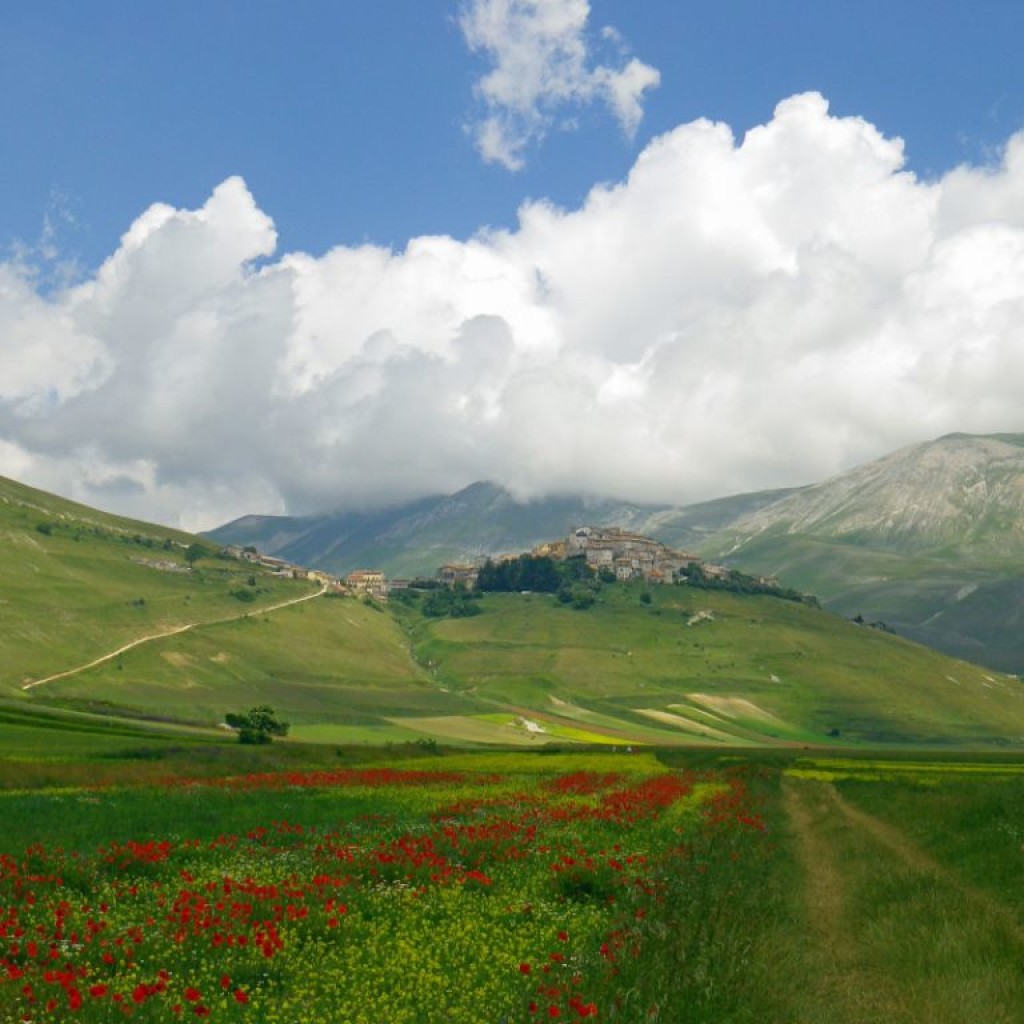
(370, 582)
(458, 575)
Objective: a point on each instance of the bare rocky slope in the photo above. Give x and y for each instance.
(929, 540)
(961, 497)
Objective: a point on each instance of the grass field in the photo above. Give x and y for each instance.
(913, 873)
(407, 884)
(714, 666)
(76, 584)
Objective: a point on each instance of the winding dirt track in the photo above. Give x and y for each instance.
(169, 632)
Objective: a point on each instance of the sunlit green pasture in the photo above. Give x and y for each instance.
(325, 661)
(715, 667)
(76, 584)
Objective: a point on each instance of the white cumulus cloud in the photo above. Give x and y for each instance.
(735, 314)
(543, 64)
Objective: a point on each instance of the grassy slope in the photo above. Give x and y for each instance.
(763, 670)
(966, 610)
(74, 593)
(328, 662)
(71, 593)
(800, 672)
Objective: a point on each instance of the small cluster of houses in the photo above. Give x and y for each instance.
(371, 582)
(629, 556)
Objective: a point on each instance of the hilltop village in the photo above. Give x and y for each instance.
(609, 551)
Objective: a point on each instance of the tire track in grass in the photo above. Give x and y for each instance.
(846, 990)
(897, 937)
(919, 860)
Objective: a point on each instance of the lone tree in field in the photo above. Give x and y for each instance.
(258, 725)
(194, 552)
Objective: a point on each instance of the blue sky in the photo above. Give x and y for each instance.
(269, 257)
(346, 118)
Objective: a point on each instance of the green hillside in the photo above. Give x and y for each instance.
(967, 611)
(336, 669)
(675, 665)
(713, 667)
(76, 584)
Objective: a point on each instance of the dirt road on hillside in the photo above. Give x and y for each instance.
(166, 633)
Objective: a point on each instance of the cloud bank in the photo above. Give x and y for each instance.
(737, 314)
(542, 65)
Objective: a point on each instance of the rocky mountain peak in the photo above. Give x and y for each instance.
(959, 489)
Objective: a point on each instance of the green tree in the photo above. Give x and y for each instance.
(194, 552)
(451, 602)
(257, 725)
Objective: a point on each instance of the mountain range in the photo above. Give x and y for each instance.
(928, 540)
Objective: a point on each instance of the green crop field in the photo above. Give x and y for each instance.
(707, 886)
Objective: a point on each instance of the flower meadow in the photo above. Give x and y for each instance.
(516, 889)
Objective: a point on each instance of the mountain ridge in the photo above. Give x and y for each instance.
(479, 520)
(960, 491)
